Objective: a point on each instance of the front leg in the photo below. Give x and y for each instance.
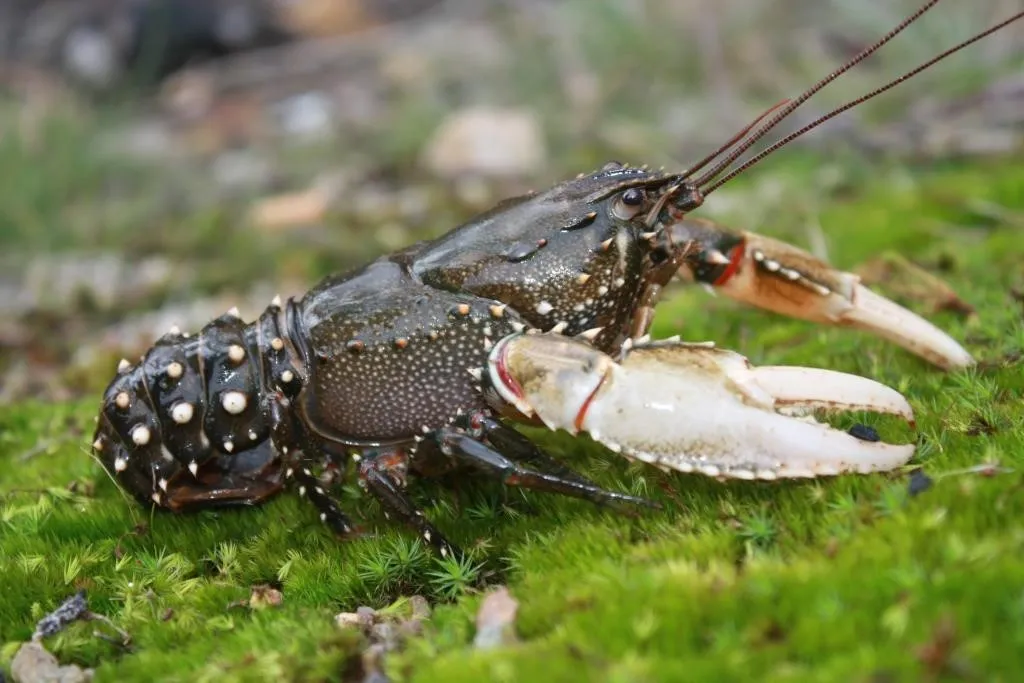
(779, 277)
(464, 442)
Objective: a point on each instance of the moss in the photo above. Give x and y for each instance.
(844, 579)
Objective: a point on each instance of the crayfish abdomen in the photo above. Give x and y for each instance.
(189, 424)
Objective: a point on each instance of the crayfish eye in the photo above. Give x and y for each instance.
(633, 197)
(629, 203)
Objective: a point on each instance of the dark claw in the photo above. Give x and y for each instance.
(522, 450)
(470, 451)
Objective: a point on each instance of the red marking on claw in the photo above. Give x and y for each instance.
(506, 378)
(735, 258)
(582, 415)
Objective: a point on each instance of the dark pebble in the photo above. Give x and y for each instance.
(864, 433)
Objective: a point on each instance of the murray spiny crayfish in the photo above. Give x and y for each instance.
(535, 310)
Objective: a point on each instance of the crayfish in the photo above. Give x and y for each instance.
(537, 310)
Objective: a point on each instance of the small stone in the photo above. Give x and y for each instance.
(486, 141)
(347, 620)
(495, 619)
(33, 662)
(264, 596)
(864, 433)
(919, 482)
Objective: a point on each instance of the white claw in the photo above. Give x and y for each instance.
(805, 389)
(688, 407)
(889, 320)
(779, 277)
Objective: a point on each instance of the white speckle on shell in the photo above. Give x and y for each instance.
(120, 464)
(253, 435)
(141, 435)
(277, 343)
(234, 312)
(123, 365)
(193, 467)
(234, 402)
(544, 307)
(236, 353)
(287, 376)
(182, 412)
(122, 400)
(156, 498)
(162, 484)
(175, 370)
(97, 445)
(229, 445)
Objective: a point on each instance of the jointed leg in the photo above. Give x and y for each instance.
(381, 474)
(517, 447)
(467, 449)
(330, 513)
(291, 441)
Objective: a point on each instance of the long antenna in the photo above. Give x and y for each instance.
(732, 141)
(793, 104)
(839, 110)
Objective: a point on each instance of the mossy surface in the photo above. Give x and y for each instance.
(851, 578)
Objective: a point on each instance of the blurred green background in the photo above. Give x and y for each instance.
(246, 148)
(138, 201)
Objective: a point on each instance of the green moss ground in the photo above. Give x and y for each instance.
(848, 579)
